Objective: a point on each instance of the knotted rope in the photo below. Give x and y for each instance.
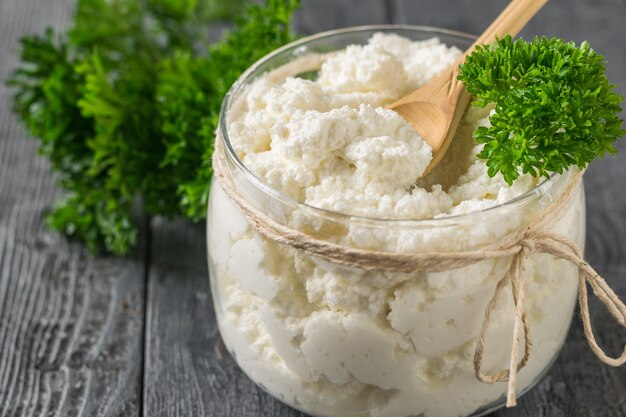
(561, 248)
(519, 246)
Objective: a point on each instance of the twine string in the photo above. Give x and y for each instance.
(518, 246)
(516, 277)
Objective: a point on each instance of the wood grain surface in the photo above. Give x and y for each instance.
(73, 338)
(71, 325)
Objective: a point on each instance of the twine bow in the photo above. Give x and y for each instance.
(561, 248)
(519, 246)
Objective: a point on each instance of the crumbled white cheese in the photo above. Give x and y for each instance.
(328, 143)
(338, 341)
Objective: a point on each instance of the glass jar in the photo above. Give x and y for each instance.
(334, 340)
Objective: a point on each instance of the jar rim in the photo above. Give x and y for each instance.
(539, 190)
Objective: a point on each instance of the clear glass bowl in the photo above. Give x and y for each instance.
(337, 341)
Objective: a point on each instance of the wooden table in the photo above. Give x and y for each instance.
(105, 336)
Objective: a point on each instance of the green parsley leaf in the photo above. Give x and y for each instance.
(126, 102)
(554, 106)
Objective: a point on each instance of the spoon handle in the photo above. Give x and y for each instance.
(509, 22)
(512, 19)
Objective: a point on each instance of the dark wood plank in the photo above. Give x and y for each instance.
(578, 384)
(188, 371)
(320, 15)
(70, 324)
(465, 16)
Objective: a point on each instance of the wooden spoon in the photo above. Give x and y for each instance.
(435, 109)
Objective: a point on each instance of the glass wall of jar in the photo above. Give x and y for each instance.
(333, 340)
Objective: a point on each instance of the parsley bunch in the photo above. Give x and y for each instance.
(126, 103)
(554, 106)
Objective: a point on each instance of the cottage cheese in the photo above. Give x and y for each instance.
(339, 341)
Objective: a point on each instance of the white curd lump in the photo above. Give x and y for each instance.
(337, 341)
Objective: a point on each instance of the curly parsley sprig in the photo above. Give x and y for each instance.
(126, 102)
(554, 106)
